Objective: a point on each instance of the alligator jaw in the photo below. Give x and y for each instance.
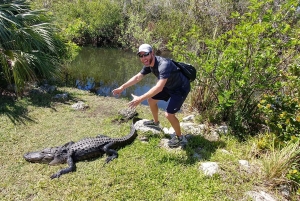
(43, 156)
(47, 155)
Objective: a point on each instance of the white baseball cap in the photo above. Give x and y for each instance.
(145, 48)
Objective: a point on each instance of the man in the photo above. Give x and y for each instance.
(171, 84)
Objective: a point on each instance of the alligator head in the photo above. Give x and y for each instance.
(46, 155)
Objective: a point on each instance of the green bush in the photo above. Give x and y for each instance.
(241, 65)
(281, 111)
(88, 22)
(294, 175)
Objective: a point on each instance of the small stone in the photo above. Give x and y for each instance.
(189, 118)
(144, 139)
(210, 168)
(79, 105)
(61, 96)
(260, 196)
(244, 163)
(223, 129)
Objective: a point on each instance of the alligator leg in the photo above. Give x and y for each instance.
(71, 168)
(111, 152)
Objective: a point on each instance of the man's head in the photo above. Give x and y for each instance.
(146, 54)
(146, 48)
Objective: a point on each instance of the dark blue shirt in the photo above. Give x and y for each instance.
(165, 69)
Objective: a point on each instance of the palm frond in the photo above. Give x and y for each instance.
(28, 46)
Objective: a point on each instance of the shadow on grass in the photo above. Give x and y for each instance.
(16, 112)
(198, 149)
(17, 109)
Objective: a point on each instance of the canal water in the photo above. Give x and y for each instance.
(101, 70)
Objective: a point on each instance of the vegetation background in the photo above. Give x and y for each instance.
(246, 53)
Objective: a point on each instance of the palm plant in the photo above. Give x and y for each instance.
(29, 48)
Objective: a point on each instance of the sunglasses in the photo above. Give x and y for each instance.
(143, 55)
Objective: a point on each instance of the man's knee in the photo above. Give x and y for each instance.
(169, 115)
(151, 101)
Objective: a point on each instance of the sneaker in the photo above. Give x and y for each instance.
(177, 141)
(151, 123)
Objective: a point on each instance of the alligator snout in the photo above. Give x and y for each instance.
(43, 156)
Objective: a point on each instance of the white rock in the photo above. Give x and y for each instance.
(189, 118)
(187, 124)
(260, 196)
(244, 163)
(79, 105)
(210, 168)
(223, 129)
(139, 125)
(166, 130)
(201, 126)
(213, 136)
(225, 151)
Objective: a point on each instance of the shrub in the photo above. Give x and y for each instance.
(241, 65)
(281, 111)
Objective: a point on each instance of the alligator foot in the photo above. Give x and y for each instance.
(56, 175)
(110, 158)
(71, 168)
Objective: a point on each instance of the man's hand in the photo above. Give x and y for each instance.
(135, 102)
(117, 91)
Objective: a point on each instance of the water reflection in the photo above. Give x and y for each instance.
(103, 69)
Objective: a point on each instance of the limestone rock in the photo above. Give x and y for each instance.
(210, 168)
(139, 125)
(79, 106)
(260, 196)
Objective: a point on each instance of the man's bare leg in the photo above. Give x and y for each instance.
(154, 108)
(174, 122)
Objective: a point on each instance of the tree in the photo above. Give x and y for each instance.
(29, 48)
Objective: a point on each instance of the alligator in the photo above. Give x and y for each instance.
(85, 149)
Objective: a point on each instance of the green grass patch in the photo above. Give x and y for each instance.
(143, 171)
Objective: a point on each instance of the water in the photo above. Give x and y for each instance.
(103, 69)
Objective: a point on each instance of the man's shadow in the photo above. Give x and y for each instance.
(197, 149)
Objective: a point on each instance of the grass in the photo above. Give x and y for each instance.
(276, 164)
(143, 171)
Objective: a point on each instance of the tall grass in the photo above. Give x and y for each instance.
(277, 163)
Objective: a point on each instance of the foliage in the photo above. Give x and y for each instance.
(134, 35)
(281, 111)
(282, 115)
(160, 22)
(294, 176)
(29, 48)
(87, 22)
(243, 63)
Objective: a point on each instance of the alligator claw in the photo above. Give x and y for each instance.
(110, 158)
(56, 175)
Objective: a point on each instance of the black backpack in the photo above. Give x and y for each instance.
(187, 69)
